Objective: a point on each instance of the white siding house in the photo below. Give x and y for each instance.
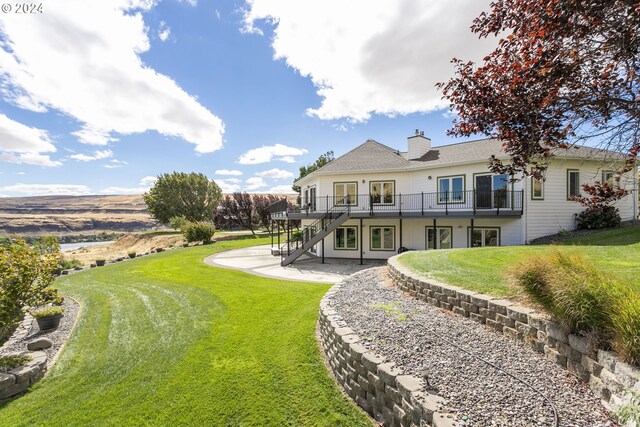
(374, 200)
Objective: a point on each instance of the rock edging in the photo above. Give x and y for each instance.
(375, 385)
(605, 373)
(19, 379)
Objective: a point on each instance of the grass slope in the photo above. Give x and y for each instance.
(167, 340)
(483, 269)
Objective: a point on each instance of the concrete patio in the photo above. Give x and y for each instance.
(259, 261)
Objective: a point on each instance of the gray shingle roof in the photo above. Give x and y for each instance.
(374, 156)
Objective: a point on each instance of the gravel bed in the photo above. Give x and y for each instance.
(417, 337)
(58, 336)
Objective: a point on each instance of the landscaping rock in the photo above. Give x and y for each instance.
(39, 344)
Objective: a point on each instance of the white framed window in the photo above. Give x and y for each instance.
(382, 192)
(485, 236)
(537, 189)
(609, 177)
(345, 193)
(443, 238)
(346, 238)
(383, 238)
(451, 189)
(573, 183)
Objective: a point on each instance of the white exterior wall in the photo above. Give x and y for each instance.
(414, 234)
(555, 213)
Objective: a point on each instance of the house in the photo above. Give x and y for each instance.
(375, 200)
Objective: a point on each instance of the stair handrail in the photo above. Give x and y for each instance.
(339, 207)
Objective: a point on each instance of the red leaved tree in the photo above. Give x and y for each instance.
(565, 72)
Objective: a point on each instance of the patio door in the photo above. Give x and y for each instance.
(483, 191)
(492, 191)
(312, 199)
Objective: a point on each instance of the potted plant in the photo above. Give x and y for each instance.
(100, 262)
(132, 255)
(48, 317)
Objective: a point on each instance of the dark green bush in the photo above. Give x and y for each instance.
(597, 217)
(69, 264)
(199, 232)
(131, 255)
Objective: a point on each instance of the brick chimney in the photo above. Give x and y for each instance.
(418, 145)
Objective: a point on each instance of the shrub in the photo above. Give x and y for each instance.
(24, 273)
(68, 264)
(51, 296)
(48, 311)
(131, 255)
(597, 217)
(178, 222)
(582, 300)
(626, 329)
(199, 232)
(101, 262)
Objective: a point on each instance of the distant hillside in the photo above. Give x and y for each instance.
(73, 214)
(65, 215)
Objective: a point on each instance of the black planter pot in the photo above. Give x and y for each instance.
(49, 322)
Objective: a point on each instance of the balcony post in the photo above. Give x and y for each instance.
(422, 202)
(471, 234)
(288, 238)
(435, 234)
(271, 231)
(400, 203)
(370, 205)
(446, 202)
(361, 243)
(278, 223)
(521, 202)
(474, 202)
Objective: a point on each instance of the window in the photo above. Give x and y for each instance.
(573, 183)
(383, 238)
(609, 177)
(537, 189)
(451, 189)
(345, 193)
(346, 238)
(483, 236)
(382, 192)
(443, 238)
(492, 191)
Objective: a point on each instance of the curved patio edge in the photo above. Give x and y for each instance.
(602, 370)
(375, 385)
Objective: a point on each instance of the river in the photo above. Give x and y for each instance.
(66, 247)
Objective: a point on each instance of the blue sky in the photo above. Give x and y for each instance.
(100, 97)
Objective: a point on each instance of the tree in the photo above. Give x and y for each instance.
(26, 274)
(191, 195)
(306, 170)
(262, 204)
(225, 218)
(244, 211)
(567, 72)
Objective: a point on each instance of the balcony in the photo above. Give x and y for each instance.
(471, 203)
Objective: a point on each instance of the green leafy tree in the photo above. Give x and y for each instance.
(191, 195)
(25, 274)
(306, 170)
(244, 212)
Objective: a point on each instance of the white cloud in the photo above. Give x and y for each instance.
(23, 144)
(266, 153)
(164, 32)
(115, 164)
(280, 189)
(98, 155)
(123, 190)
(83, 59)
(232, 172)
(47, 189)
(275, 174)
(229, 185)
(380, 57)
(255, 183)
(148, 180)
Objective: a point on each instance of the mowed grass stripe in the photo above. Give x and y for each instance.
(167, 340)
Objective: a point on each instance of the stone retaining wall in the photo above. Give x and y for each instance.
(376, 386)
(602, 370)
(18, 380)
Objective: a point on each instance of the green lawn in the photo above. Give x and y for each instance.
(167, 340)
(483, 269)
